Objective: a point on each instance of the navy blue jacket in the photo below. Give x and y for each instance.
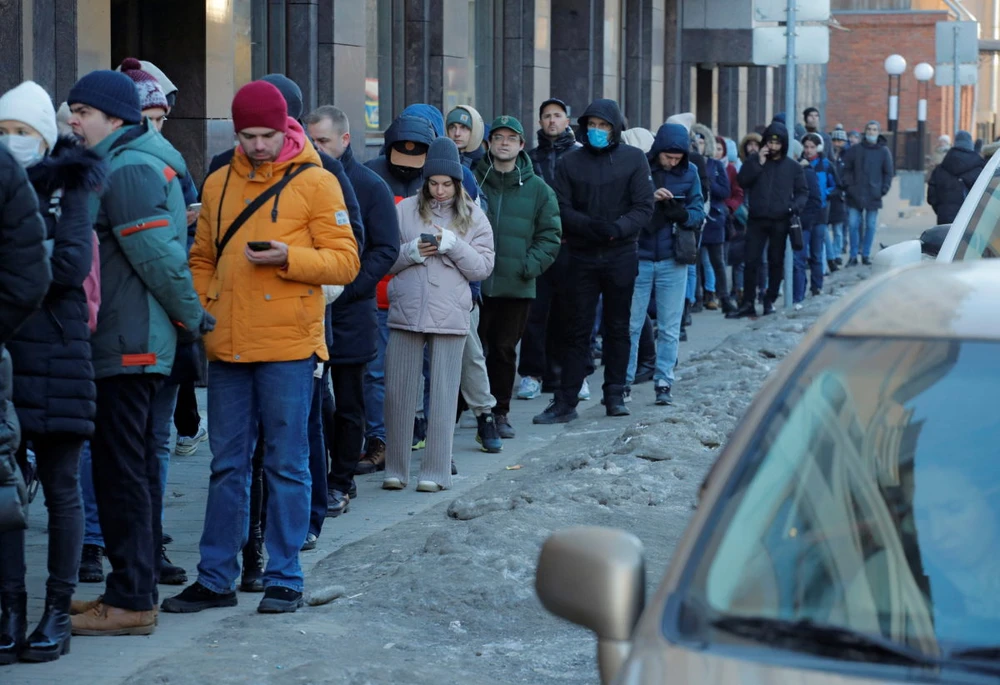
(54, 388)
(813, 212)
(718, 192)
(605, 194)
(350, 321)
(656, 240)
(868, 174)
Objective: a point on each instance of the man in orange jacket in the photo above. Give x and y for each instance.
(273, 230)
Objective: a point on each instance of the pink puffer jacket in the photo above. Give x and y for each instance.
(434, 296)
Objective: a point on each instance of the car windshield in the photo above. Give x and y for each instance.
(981, 239)
(870, 499)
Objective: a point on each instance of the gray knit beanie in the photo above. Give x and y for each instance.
(442, 160)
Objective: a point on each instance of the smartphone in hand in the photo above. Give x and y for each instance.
(429, 238)
(259, 245)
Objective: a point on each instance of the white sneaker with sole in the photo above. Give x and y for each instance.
(529, 389)
(584, 393)
(186, 446)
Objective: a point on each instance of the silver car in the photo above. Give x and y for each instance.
(849, 531)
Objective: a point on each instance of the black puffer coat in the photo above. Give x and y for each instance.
(53, 375)
(951, 181)
(548, 152)
(24, 280)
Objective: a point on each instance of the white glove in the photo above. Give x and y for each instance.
(413, 252)
(318, 372)
(447, 241)
(332, 292)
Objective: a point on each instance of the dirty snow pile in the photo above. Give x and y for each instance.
(448, 595)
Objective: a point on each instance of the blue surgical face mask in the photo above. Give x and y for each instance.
(598, 137)
(25, 149)
(872, 139)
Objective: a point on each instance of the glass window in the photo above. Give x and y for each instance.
(870, 502)
(982, 235)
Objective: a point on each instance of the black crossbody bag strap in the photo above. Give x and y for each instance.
(250, 209)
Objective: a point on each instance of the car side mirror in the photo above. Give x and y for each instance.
(901, 254)
(596, 578)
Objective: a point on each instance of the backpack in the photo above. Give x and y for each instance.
(92, 284)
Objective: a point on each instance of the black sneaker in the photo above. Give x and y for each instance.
(615, 406)
(419, 433)
(197, 598)
(279, 600)
(92, 564)
(853, 261)
(866, 261)
(454, 469)
(663, 396)
(170, 574)
(353, 491)
(503, 427)
(747, 309)
(487, 433)
(337, 503)
(167, 539)
(556, 413)
(310, 542)
(768, 307)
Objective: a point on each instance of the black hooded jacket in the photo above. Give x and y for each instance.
(405, 127)
(951, 181)
(548, 152)
(605, 194)
(776, 189)
(54, 388)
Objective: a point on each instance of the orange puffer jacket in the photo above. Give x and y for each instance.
(270, 313)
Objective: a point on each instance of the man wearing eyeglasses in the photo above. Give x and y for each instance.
(527, 230)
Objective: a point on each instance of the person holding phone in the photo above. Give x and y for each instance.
(445, 243)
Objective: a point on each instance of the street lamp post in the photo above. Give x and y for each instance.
(895, 65)
(924, 73)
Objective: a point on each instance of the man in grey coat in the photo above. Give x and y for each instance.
(867, 177)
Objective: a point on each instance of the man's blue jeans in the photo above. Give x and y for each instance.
(163, 414)
(278, 395)
(691, 284)
(669, 279)
(834, 240)
(375, 382)
(708, 270)
(871, 224)
(809, 257)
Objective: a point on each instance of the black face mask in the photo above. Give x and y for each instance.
(405, 173)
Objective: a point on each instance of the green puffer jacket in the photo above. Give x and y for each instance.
(524, 213)
(146, 288)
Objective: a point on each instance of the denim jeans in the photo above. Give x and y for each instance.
(669, 280)
(278, 395)
(871, 224)
(809, 257)
(691, 285)
(375, 382)
(161, 416)
(708, 270)
(317, 459)
(833, 235)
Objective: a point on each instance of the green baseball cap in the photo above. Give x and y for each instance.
(505, 121)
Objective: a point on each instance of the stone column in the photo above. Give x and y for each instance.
(526, 80)
(578, 52)
(301, 30)
(342, 62)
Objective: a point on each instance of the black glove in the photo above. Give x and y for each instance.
(207, 324)
(604, 230)
(675, 212)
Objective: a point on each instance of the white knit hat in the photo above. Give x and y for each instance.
(31, 105)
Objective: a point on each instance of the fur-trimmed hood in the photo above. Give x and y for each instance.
(70, 166)
(742, 149)
(709, 136)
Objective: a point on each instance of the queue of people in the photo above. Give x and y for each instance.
(344, 314)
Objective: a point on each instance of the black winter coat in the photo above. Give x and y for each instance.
(837, 198)
(867, 174)
(778, 188)
(24, 279)
(350, 321)
(951, 181)
(53, 376)
(605, 194)
(548, 152)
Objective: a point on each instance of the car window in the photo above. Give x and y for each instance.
(982, 235)
(871, 499)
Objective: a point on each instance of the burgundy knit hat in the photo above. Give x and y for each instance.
(258, 104)
(150, 91)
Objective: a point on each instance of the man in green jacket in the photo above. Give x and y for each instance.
(147, 297)
(526, 229)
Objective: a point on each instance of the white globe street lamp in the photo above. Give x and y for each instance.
(895, 65)
(924, 73)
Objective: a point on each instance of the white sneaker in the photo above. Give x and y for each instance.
(185, 446)
(627, 395)
(529, 389)
(798, 306)
(584, 391)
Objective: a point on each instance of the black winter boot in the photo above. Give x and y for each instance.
(50, 640)
(686, 318)
(13, 625)
(253, 564)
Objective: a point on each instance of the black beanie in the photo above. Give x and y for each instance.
(110, 92)
(442, 160)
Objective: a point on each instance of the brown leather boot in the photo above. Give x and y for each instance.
(104, 619)
(374, 459)
(82, 606)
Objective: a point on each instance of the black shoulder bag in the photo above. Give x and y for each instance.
(250, 209)
(795, 231)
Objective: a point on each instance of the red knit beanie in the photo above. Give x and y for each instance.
(258, 104)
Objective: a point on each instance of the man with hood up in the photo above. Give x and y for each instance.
(775, 187)
(953, 178)
(605, 194)
(680, 206)
(867, 177)
(466, 129)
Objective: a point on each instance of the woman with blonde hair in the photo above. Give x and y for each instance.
(446, 242)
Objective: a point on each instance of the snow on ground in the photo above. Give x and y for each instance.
(448, 595)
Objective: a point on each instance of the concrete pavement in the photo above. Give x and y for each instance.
(106, 661)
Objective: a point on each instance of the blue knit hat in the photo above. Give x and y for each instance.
(442, 160)
(111, 92)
